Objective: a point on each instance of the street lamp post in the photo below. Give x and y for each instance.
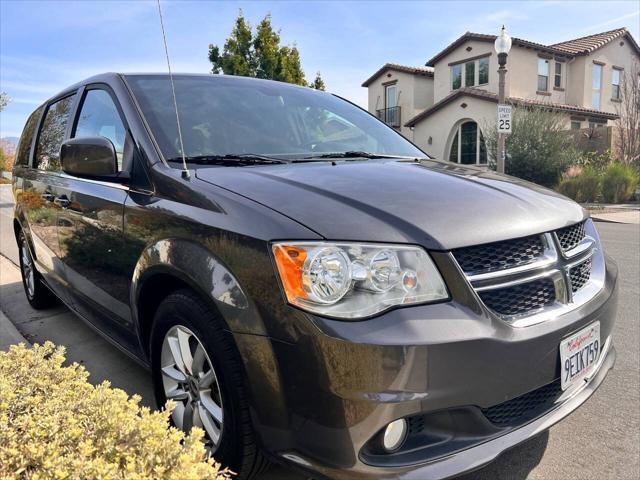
(502, 46)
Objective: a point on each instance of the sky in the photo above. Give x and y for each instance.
(47, 45)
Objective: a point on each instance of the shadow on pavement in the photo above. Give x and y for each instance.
(514, 464)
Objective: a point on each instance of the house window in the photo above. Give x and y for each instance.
(596, 85)
(557, 80)
(543, 75)
(468, 146)
(391, 112)
(469, 74)
(615, 83)
(483, 71)
(456, 77)
(575, 125)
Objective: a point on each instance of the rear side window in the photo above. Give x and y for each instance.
(99, 117)
(52, 134)
(26, 139)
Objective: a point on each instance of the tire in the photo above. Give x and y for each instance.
(181, 314)
(38, 294)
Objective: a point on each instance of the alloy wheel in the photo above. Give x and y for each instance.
(190, 381)
(27, 269)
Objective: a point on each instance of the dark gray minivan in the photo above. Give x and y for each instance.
(307, 285)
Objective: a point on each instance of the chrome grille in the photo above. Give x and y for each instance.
(499, 255)
(580, 275)
(570, 237)
(536, 278)
(523, 298)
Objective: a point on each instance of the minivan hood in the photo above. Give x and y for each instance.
(435, 204)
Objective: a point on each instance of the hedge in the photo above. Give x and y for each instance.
(55, 425)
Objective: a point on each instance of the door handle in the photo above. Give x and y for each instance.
(62, 201)
(48, 196)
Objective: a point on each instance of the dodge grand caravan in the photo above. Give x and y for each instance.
(307, 285)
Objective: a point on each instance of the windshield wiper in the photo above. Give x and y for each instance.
(230, 159)
(350, 154)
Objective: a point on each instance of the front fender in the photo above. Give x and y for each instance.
(204, 272)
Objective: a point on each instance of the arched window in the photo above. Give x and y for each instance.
(468, 145)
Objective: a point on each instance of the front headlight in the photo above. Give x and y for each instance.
(355, 280)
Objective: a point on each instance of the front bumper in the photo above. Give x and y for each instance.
(332, 386)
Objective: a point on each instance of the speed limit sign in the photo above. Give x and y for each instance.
(504, 118)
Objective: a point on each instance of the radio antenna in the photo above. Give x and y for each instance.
(185, 170)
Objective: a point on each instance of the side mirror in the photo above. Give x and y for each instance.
(91, 157)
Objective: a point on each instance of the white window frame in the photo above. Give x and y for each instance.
(556, 74)
(543, 61)
(596, 90)
(619, 72)
(478, 142)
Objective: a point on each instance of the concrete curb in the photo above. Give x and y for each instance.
(9, 334)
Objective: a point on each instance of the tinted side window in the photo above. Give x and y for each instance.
(24, 148)
(99, 117)
(52, 134)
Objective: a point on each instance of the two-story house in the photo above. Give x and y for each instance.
(444, 107)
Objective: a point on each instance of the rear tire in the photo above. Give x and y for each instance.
(184, 319)
(38, 295)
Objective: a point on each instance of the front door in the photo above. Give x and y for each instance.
(42, 195)
(91, 228)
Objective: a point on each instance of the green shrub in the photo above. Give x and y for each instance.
(584, 187)
(55, 425)
(597, 160)
(538, 149)
(619, 183)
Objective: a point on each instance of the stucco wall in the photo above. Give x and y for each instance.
(442, 77)
(523, 76)
(415, 93)
(612, 54)
(441, 126)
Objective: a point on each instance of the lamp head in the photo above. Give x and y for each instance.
(503, 42)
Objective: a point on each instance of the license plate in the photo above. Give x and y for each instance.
(579, 354)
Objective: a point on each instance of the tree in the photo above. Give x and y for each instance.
(237, 57)
(628, 123)
(2, 160)
(539, 149)
(4, 100)
(317, 83)
(259, 55)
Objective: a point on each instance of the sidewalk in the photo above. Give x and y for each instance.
(19, 321)
(627, 216)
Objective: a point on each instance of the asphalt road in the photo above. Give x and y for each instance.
(600, 440)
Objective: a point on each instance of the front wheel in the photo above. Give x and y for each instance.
(195, 364)
(38, 295)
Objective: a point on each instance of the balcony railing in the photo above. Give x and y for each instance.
(390, 116)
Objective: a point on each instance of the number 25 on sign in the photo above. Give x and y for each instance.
(504, 118)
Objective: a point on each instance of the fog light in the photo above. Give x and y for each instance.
(394, 435)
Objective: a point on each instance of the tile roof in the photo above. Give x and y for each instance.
(590, 43)
(570, 48)
(425, 71)
(492, 97)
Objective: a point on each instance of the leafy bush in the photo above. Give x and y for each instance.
(596, 160)
(54, 424)
(619, 183)
(538, 149)
(584, 187)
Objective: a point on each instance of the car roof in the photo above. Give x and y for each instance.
(109, 77)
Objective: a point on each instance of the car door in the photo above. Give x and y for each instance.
(40, 192)
(91, 223)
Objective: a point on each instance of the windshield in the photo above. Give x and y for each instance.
(235, 115)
